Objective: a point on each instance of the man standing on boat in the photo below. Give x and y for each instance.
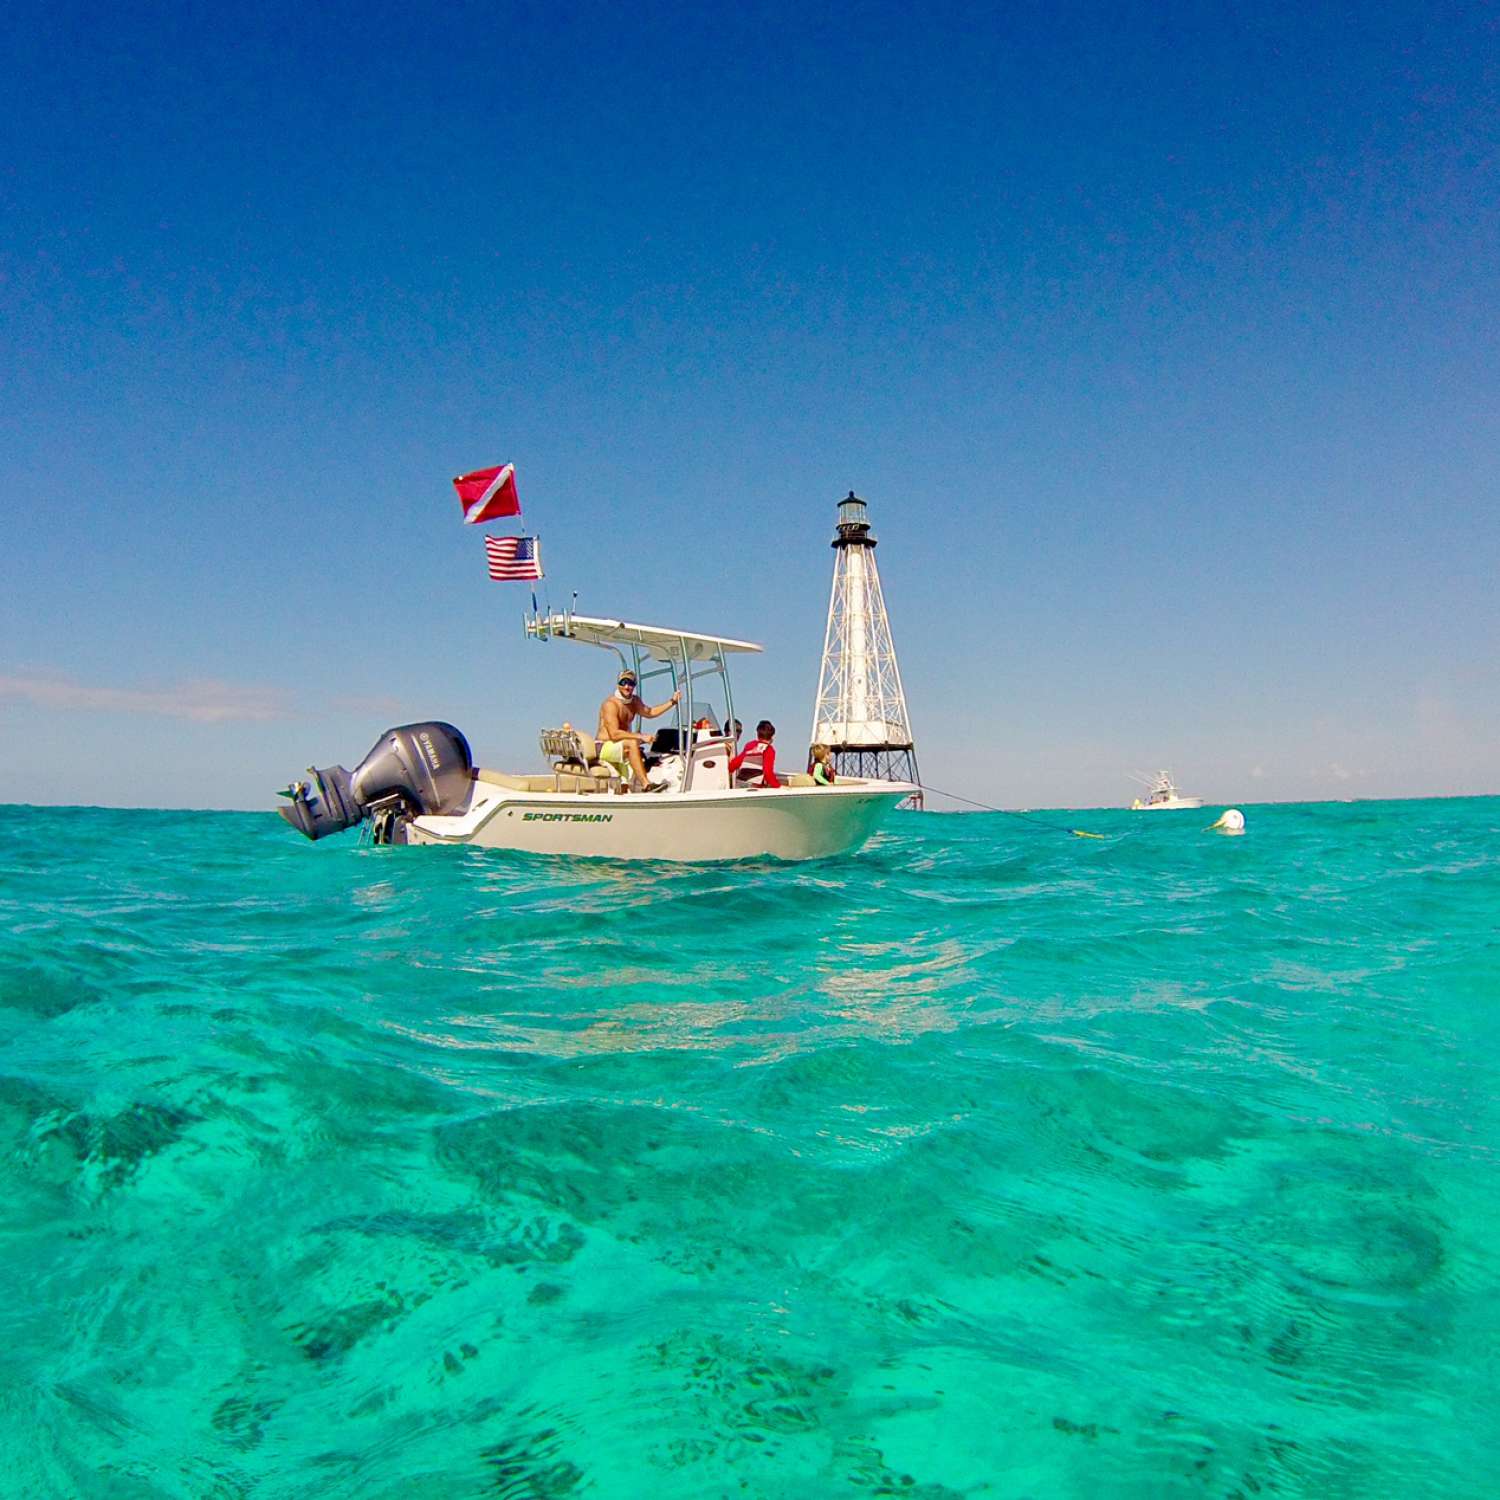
(619, 744)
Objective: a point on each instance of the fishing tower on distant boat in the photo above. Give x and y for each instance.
(860, 712)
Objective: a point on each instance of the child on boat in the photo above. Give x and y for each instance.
(822, 765)
(755, 765)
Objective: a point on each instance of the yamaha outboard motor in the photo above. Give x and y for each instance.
(416, 769)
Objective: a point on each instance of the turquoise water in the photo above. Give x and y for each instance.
(990, 1162)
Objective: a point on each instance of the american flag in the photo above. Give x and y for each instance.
(514, 557)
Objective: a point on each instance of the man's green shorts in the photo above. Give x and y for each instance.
(612, 753)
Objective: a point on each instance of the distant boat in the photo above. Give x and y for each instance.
(1161, 794)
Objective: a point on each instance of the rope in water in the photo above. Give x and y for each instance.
(1076, 833)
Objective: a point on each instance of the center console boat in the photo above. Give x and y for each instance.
(419, 785)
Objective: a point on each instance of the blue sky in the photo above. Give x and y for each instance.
(1161, 341)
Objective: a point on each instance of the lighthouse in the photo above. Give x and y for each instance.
(860, 711)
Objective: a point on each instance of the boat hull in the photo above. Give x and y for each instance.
(792, 823)
(1172, 804)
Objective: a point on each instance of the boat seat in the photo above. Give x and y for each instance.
(575, 760)
(558, 781)
(798, 778)
(516, 783)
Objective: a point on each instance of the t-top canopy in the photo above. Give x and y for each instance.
(655, 640)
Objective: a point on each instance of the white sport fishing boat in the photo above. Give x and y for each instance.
(419, 784)
(1161, 794)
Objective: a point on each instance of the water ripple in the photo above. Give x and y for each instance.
(986, 1162)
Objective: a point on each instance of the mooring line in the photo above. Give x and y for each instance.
(1077, 833)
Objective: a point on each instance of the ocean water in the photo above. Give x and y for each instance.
(987, 1162)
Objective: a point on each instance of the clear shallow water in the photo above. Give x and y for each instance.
(988, 1162)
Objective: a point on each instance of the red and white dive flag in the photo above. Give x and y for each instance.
(514, 557)
(488, 494)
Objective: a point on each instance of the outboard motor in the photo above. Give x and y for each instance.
(416, 769)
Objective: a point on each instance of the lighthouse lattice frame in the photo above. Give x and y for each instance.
(860, 711)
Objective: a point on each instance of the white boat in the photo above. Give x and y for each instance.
(419, 784)
(1161, 794)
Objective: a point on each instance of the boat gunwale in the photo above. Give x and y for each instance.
(597, 802)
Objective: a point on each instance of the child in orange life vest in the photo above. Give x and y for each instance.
(822, 765)
(755, 765)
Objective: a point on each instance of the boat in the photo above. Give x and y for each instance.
(419, 784)
(1161, 794)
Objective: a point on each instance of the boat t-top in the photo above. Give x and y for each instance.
(1161, 794)
(419, 784)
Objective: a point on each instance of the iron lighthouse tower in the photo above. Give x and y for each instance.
(860, 713)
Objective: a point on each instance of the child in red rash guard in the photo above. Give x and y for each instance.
(755, 765)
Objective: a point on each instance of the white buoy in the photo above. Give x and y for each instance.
(1232, 820)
